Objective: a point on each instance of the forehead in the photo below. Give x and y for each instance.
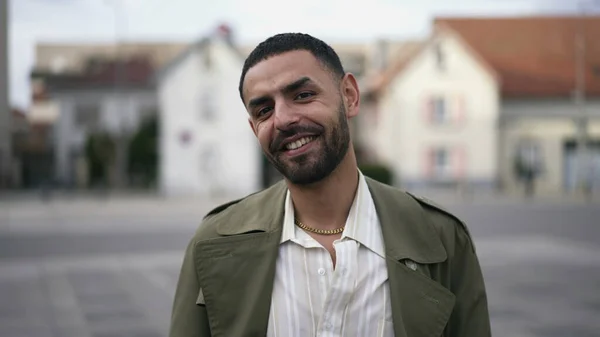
(277, 71)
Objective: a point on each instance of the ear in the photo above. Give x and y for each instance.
(351, 95)
(252, 126)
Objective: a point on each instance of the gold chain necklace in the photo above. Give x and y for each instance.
(319, 231)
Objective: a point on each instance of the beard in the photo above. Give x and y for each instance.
(310, 168)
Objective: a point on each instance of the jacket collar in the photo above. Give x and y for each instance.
(407, 232)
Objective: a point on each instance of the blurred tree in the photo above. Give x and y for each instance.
(143, 153)
(370, 167)
(378, 172)
(526, 171)
(100, 155)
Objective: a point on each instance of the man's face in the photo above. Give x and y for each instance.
(299, 113)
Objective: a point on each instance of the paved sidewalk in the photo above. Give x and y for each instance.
(108, 296)
(133, 214)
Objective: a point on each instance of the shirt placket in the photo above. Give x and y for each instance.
(340, 290)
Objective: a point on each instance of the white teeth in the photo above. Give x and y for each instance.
(299, 143)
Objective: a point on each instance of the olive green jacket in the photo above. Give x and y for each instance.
(226, 280)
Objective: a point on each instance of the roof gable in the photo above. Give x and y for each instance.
(222, 32)
(411, 51)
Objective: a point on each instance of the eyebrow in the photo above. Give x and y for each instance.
(287, 89)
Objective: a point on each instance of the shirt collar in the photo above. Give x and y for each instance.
(362, 224)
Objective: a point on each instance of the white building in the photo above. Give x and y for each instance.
(207, 146)
(96, 99)
(435, 117)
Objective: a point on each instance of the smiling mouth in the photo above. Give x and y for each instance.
(299, 143)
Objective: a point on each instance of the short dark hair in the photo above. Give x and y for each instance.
(284, 42)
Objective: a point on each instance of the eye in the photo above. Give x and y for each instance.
(304, 95)
(263, 111)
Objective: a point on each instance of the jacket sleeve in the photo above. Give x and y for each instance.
(188, 317)
(471, 314)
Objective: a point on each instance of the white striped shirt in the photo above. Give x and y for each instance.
(310, 298)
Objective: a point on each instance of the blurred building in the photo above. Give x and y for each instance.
(88, 88)
(206, 143)
(107, 96)
(74, 57)
(465, 106)
(484, 95)
(430, 103)
(538, 59)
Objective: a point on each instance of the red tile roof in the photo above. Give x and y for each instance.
(534, 56)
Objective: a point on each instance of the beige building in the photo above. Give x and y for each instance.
(434, 116)
(538, 62)
(550, 138)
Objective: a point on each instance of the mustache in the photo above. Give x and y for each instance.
(282, 135)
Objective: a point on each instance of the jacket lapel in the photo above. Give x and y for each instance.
(421, 307)
(237, 270)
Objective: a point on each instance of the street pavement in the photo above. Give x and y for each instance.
(108, 267)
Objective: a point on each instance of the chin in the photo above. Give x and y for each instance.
(306, 175)
(304, 180)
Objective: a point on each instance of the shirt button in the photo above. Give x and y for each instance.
(328, 326)
(343, 271)
(321, 271)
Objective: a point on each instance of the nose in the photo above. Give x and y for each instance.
(285, 116)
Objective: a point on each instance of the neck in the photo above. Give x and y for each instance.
(326, 204)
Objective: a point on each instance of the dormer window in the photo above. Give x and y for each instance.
(440, 57)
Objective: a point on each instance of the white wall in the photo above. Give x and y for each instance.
(404, 135)
(241, 152)
(177, 104)
(235, 170)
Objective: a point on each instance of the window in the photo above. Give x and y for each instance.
(441, 162)
(439, 111)
(87, 115)
(207, 58)
(58, 64)
(353, 63)
(208, 160)
(440, 60)
(448, 109)
(529, 154)
(207, 104)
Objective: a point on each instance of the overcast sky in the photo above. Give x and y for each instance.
(252, 20)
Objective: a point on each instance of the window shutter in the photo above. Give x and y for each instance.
(460, 106)
(429, 162)
(428, 108)
(459, 162)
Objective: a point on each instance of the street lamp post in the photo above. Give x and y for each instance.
(581, 118)
(5, 114)
(122, 133)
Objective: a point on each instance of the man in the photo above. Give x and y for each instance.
(326, 251)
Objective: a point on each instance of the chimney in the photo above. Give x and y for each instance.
(224, 31)
(381, 54)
